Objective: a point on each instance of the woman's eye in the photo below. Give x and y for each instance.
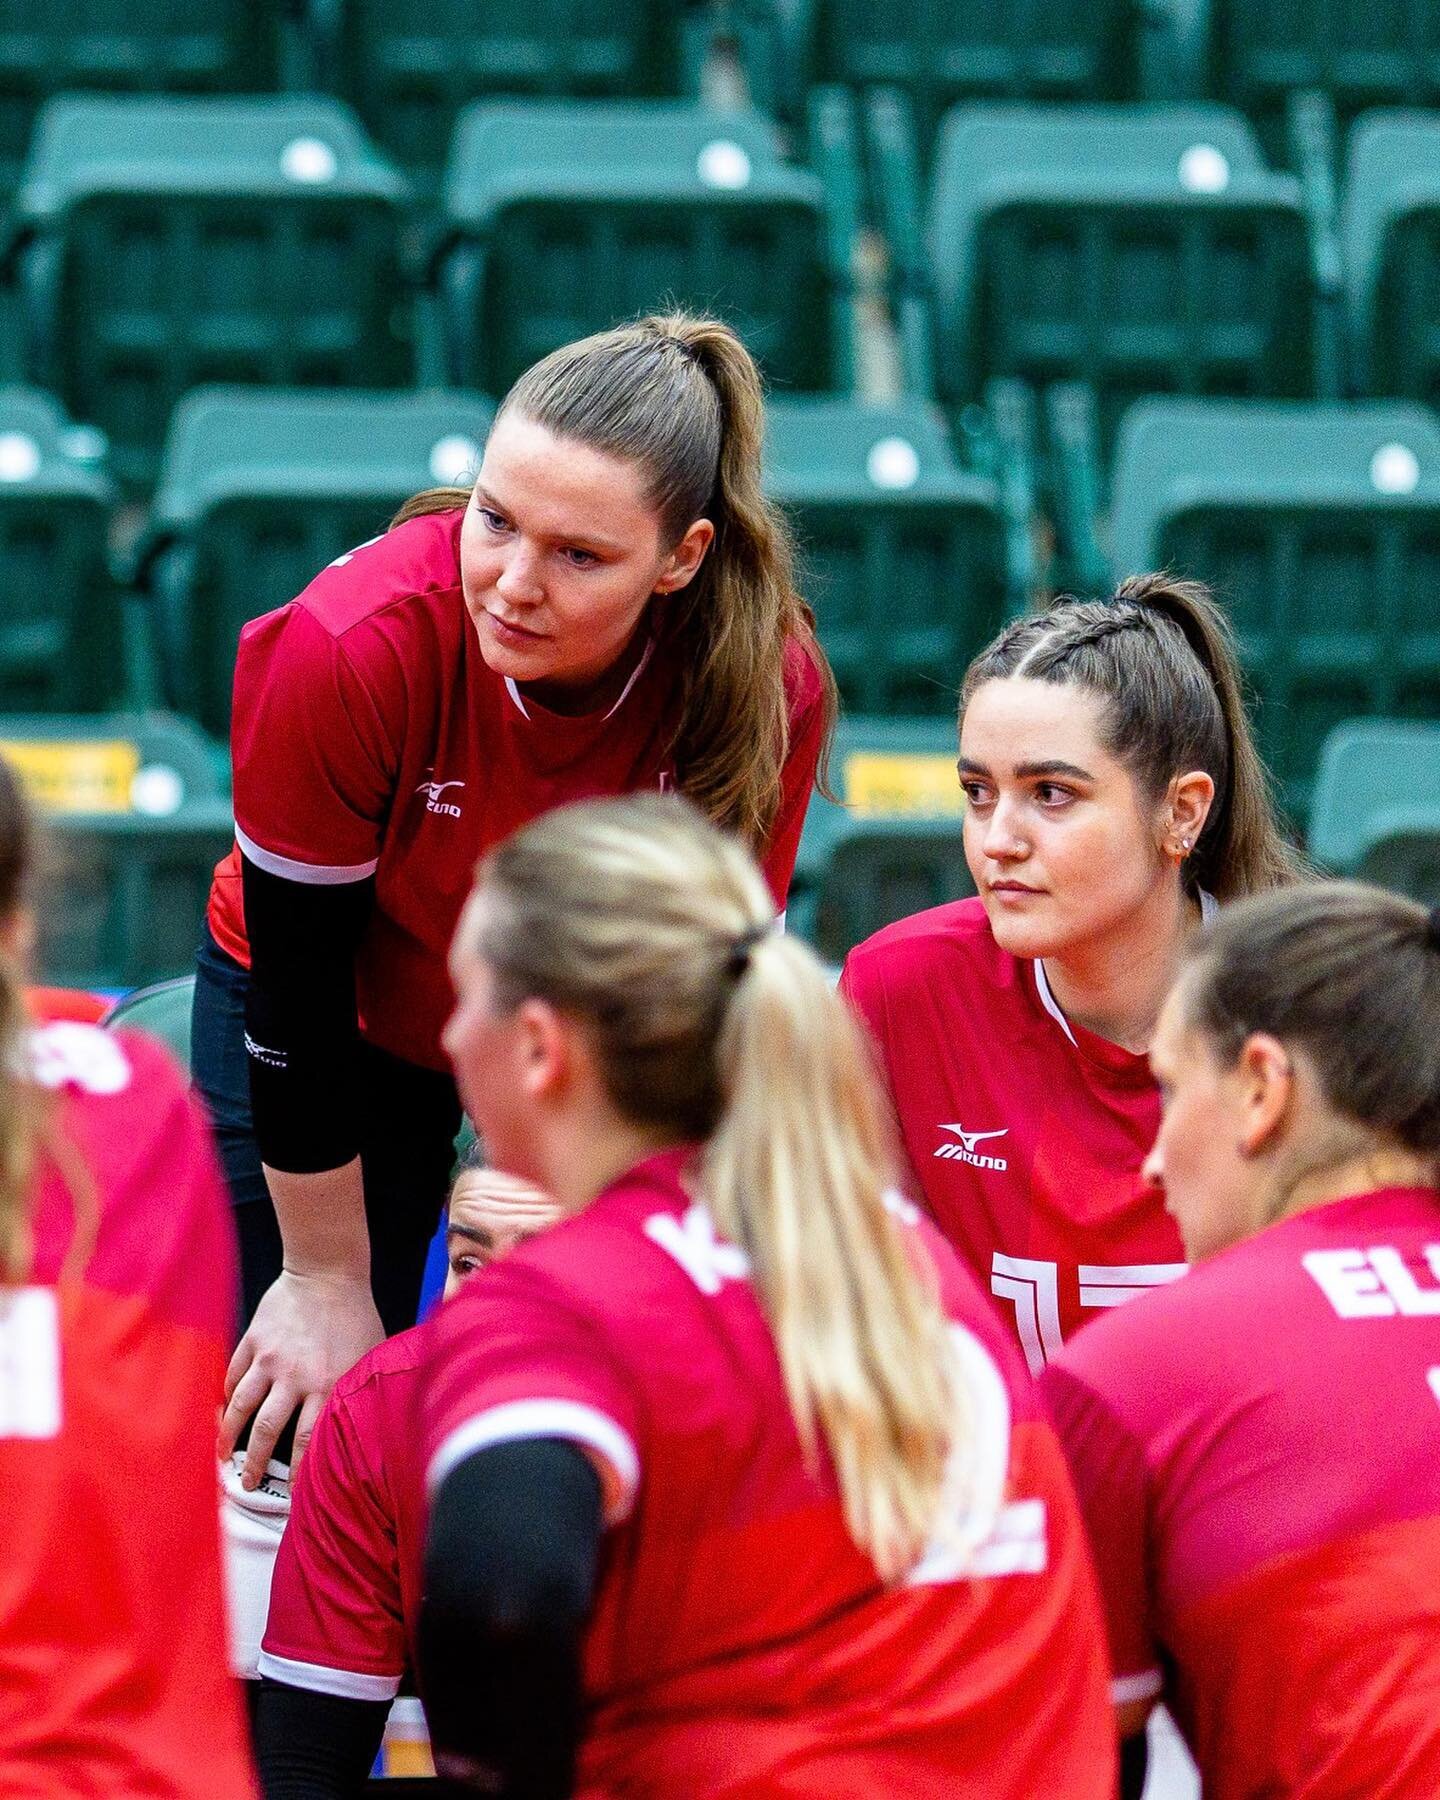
(976, 793)
(579, 559)
(493, 521)
(465, 1265)
(1049, 794)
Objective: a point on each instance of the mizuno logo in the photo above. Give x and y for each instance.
(965, 1150)
(433, 803)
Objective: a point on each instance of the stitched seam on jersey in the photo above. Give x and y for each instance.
(315, 1678)
(515, 1420)
(1126, 1688)
(308, 874)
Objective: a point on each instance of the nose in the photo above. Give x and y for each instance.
(518, 582)
(1001, 839)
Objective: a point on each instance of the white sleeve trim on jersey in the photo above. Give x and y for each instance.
(309, 874)
(315, 1678)
(519, 1419)
(1125, 1689)
(1047, 1000)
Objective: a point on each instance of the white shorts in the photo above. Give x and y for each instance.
(251, 1526)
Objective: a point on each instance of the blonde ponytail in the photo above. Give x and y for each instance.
(641, 920)
(17, 1095)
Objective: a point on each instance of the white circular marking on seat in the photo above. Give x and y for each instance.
(454, 458)
(157, 791)
(1204, 170)
(1395, 469)
(893, 462)
(308, 159)
(19, 456)
(723, 164)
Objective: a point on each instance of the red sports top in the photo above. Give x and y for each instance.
(1258, 1453)
(1025, 1133)
(740, 1644)
(345, 1598)
(370, 737)
(114, 1671)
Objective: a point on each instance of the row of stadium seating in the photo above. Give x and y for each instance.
(157, 245)
(408, 66)
(137, 819)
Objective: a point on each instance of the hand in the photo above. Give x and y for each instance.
(307, 1331)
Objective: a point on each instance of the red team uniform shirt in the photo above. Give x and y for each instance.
(740, 1644)
(346, 1593)
(114, 1673)
(370, 737)
(1025, 1132)
(1257, 1450)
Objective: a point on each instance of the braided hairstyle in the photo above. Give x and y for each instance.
(1160, 657)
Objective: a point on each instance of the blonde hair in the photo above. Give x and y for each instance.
(657, 933)
(681, 396)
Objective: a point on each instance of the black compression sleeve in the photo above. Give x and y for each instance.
(510, 1558)
(301, 1033)
(315, 1746)
(1134, 1766)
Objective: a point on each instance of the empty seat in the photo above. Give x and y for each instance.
(59, 616)
(902, 550)
(890, 843)
(135, 820)
(1391, 233)
(260, 490)
(167, 243)
(1376, 815)
(162, 1008)
(570, 219)
(409, 66)
(1135, 249)
(1319, 527)
(1360, 55)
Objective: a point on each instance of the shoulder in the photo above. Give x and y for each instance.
(391, 1368)
(955, 938)
(804, 685)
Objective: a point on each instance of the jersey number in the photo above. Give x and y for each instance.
(1033, 1289)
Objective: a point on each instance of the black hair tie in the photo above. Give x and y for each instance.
(738, 960)
(1432, 928)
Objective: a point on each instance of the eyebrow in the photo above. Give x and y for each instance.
(473, 1234)
(1030, 771)
(582, 540)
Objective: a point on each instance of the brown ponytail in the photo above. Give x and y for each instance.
(1161, 656)
(18, 1122)
(681, 396)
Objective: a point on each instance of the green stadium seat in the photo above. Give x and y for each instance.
(259, 490)
(139, 46)
(567, 219)
(1136, 249)
(409, 66)
(890, 843)
(60, 625)
(1391, 233)
(1319, 528)
(163, 1009)
(1376, 815)
(166, 243)
(902, 550)
(135, 819)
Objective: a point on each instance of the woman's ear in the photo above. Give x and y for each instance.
(1266, 1077)
(542, 1049)
(1187, 806)
(683, 563)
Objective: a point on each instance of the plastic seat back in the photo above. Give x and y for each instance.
(163, 1009)
(1391, 235)
(1361, 56)
(1376, 815)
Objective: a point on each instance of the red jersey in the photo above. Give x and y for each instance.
(114, 1673)
(740, 1644)
(1258, 1453)
(346, 1593)
(1025, 1133)
(371, 737)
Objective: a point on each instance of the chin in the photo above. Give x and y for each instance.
(1027, 937)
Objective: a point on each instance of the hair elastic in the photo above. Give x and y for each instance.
(1432, 928)
(738, 960)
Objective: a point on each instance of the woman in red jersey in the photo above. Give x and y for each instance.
(1258, 1448)
(1113, 796)
(611, 609)
(116, 1296)
(736, 1486)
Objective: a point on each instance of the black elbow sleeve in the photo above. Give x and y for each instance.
(510, 1564)
(301, 1035)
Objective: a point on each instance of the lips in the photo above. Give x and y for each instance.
(1012, 887)
(517, 633)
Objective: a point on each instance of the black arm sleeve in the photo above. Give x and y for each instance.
(301, 1033)
(314, 1746)
(510, 1561)
(1134, 1766)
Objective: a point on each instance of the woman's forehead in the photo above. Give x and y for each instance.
(1014, 719)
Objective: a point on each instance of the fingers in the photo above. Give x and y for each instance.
(270, 1421)
(309, 1413)
(240, 1361)
(243, 1396)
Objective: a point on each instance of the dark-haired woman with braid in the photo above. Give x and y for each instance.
(1114, 796)
(611, 609)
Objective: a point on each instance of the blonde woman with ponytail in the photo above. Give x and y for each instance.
(735, 1485)
(609, 609)
(116, 1294)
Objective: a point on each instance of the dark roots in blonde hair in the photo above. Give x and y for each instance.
(681, 397)
(1160, 657)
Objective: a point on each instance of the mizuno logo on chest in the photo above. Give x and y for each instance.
(433, 801)
(966, 1152)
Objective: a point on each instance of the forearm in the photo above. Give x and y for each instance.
(322, 1222)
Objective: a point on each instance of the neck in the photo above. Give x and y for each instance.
(585, 1155)
(598, 692)
(1115, 985)
(1383, 1167)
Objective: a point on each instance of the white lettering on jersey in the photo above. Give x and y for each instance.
(29, 1363)
(1112, 1284)
(966, 1152)
(1375, 1283)
(68, 1053)
(1033, 1287)
(1433, 1377)
(433, 803)
(707, 1259)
